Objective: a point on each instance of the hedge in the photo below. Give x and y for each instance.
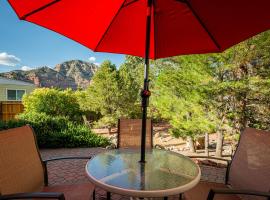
(57, 132)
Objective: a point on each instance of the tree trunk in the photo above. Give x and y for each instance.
(191, 144)
(110, 130)
(219, 144)
(85, 121)
(206, 144)
(244, 121)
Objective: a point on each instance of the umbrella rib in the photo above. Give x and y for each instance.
(101, 39)
(201, 22)
(131, 2)
(182, 1)
(38, 9)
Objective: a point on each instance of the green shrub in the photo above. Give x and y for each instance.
(55, 116)
(53, 102)
(11, 124)
(44, 123)
(57, 132)
(79, 135)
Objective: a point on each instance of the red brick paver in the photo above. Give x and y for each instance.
(68, 171)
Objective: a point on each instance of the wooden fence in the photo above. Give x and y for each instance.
(9, 109)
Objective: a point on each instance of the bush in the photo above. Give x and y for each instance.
(78, 135)
(11, 124)
(57, 132)
(53, 102)
(44, 123)
(55, 116)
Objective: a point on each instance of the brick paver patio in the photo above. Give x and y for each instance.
(73, 171)
(68, 171)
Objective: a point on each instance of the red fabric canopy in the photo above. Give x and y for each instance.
(177, 26)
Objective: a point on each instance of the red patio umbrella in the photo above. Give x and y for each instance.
(150, 28)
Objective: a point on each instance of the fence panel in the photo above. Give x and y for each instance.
(9, 109)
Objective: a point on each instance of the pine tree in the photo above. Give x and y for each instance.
(179, 97)
(102, 96)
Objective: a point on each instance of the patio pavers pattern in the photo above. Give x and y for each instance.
(68, 171)
(73, 171)
(213, 174)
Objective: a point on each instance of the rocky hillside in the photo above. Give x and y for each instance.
(71, 74)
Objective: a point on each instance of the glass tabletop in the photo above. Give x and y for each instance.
(120, 170)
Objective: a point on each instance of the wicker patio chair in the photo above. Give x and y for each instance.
(23, 175)
(248, 174)
(129, 133)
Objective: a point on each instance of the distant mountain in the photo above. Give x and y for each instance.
(71, 74)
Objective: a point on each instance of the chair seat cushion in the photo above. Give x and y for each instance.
(200, 192)
(73, 192)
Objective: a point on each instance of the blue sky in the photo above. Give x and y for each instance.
(24, 45)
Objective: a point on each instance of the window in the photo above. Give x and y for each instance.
(20, 94)
(15, 95)
(11, 94)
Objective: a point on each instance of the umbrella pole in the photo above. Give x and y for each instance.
(145, 94)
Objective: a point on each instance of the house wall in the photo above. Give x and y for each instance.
(4, 87)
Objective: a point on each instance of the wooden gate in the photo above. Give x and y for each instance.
(9, 109)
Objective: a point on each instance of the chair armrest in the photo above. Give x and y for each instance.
(65, 158)
(159, 146)
(38, 195)
(209, 157)
(215, 158)
(57, 159)
(212, 193)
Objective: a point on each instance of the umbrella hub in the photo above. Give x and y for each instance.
(145, 93)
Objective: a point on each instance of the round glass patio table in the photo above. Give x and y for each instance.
(165, 173)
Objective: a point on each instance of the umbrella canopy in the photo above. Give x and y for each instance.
(150, 28)
(177, 26)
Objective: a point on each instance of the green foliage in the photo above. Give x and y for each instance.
(115, 93)
(196, 94)
(236, 89)
(180, 97)
(241, 83)
(11, 124)
(57, 132)
(130, 85)
(43, 122)
(53, 102)
(102, 95)
(55, 115)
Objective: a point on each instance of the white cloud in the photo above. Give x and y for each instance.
(98, 64)
(9, 60)
(26, 68)
(92, 59)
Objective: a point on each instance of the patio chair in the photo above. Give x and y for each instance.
(248, 174)
(23, 175)
(129, 133)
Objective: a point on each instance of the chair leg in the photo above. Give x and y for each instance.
(108, 196)
(94, 194)
(181, 196)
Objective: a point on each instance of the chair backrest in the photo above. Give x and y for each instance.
(21, 169)
(129, 133)
(250, 166)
